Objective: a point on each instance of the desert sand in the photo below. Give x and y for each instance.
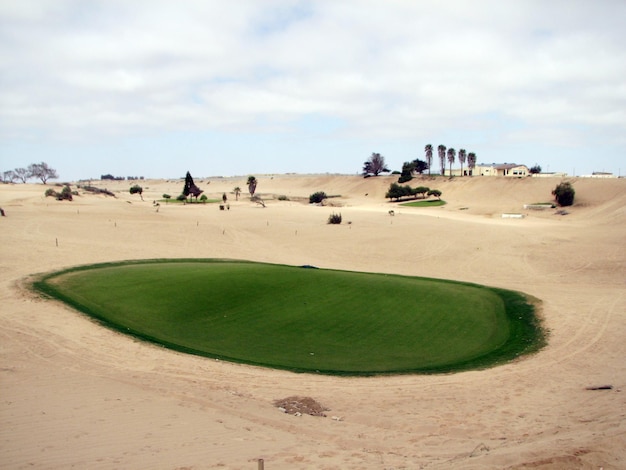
(77, 395)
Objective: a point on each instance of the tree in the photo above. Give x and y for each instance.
(396, 191)
(420, 166)
(407, 172)
(451, 158)
(21, 174)
(42, 171)
(9, 176)
(191, 188)
(252, 182)
(441, 150)
(471, 161)
(428, 150)
(435, 192)
(564, 194)
(237, 192)
(421, 190)
(375, 165)
(462, 158)
(136, 189)
(317, 198)
(534, 170)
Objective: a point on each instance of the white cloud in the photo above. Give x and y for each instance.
(399, 69)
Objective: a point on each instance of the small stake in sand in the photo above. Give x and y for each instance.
(261, 464)
(57, 241)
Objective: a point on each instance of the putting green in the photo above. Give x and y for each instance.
(315, 320)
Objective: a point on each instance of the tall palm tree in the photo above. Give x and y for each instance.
(451, 158)
(429, 156)
(471, 161)
(462, 157)
(441, 150)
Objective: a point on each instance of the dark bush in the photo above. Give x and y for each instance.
(317, 197)
(564, 194)
(136, 189)
(334, 218)
(50, 192)
(181, 197)
(434, 192)
(66, 194)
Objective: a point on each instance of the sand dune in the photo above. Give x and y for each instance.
(76, 395)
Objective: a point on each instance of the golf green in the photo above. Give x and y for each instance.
(308, 320)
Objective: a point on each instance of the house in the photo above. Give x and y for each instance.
(511, 170)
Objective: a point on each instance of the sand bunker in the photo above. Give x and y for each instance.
(76, 394)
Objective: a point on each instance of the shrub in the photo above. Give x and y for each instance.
(66, 194)
(50, 192)
(181, 197)
(423, 190)
(564, 194)
(317, 197)
(166, 196)
(396, 191)
(282, 197)
(203, 198)
(136, 189)
(434, 192)
(334, 218)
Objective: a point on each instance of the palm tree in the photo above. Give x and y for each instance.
(252, 182)
(462, 157)
(451, 158)
(429, 156)
(471, 161)
(237, 191)
(441, 150)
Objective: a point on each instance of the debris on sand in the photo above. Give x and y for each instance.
(298, 406)
(600, 387)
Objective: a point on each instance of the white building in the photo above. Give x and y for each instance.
(511, 170)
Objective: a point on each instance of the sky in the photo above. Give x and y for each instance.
(156, 88)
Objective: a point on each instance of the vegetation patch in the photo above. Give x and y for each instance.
(305, 320)
(425, 203)
(184, 200)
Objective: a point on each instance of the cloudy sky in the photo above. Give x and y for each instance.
(155, 87)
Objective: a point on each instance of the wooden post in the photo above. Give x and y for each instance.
(261, 464)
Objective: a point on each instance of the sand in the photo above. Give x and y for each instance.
(77, 395)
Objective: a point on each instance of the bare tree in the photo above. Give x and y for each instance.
(21, 174)
(237, 192)
(42, 171)
(9, 176)
(375, 165)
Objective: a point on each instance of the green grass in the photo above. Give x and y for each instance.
(307, 320)
(425, 203)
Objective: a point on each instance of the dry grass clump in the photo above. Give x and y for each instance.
(297, 405)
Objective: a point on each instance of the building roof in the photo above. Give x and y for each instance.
(502, 166)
